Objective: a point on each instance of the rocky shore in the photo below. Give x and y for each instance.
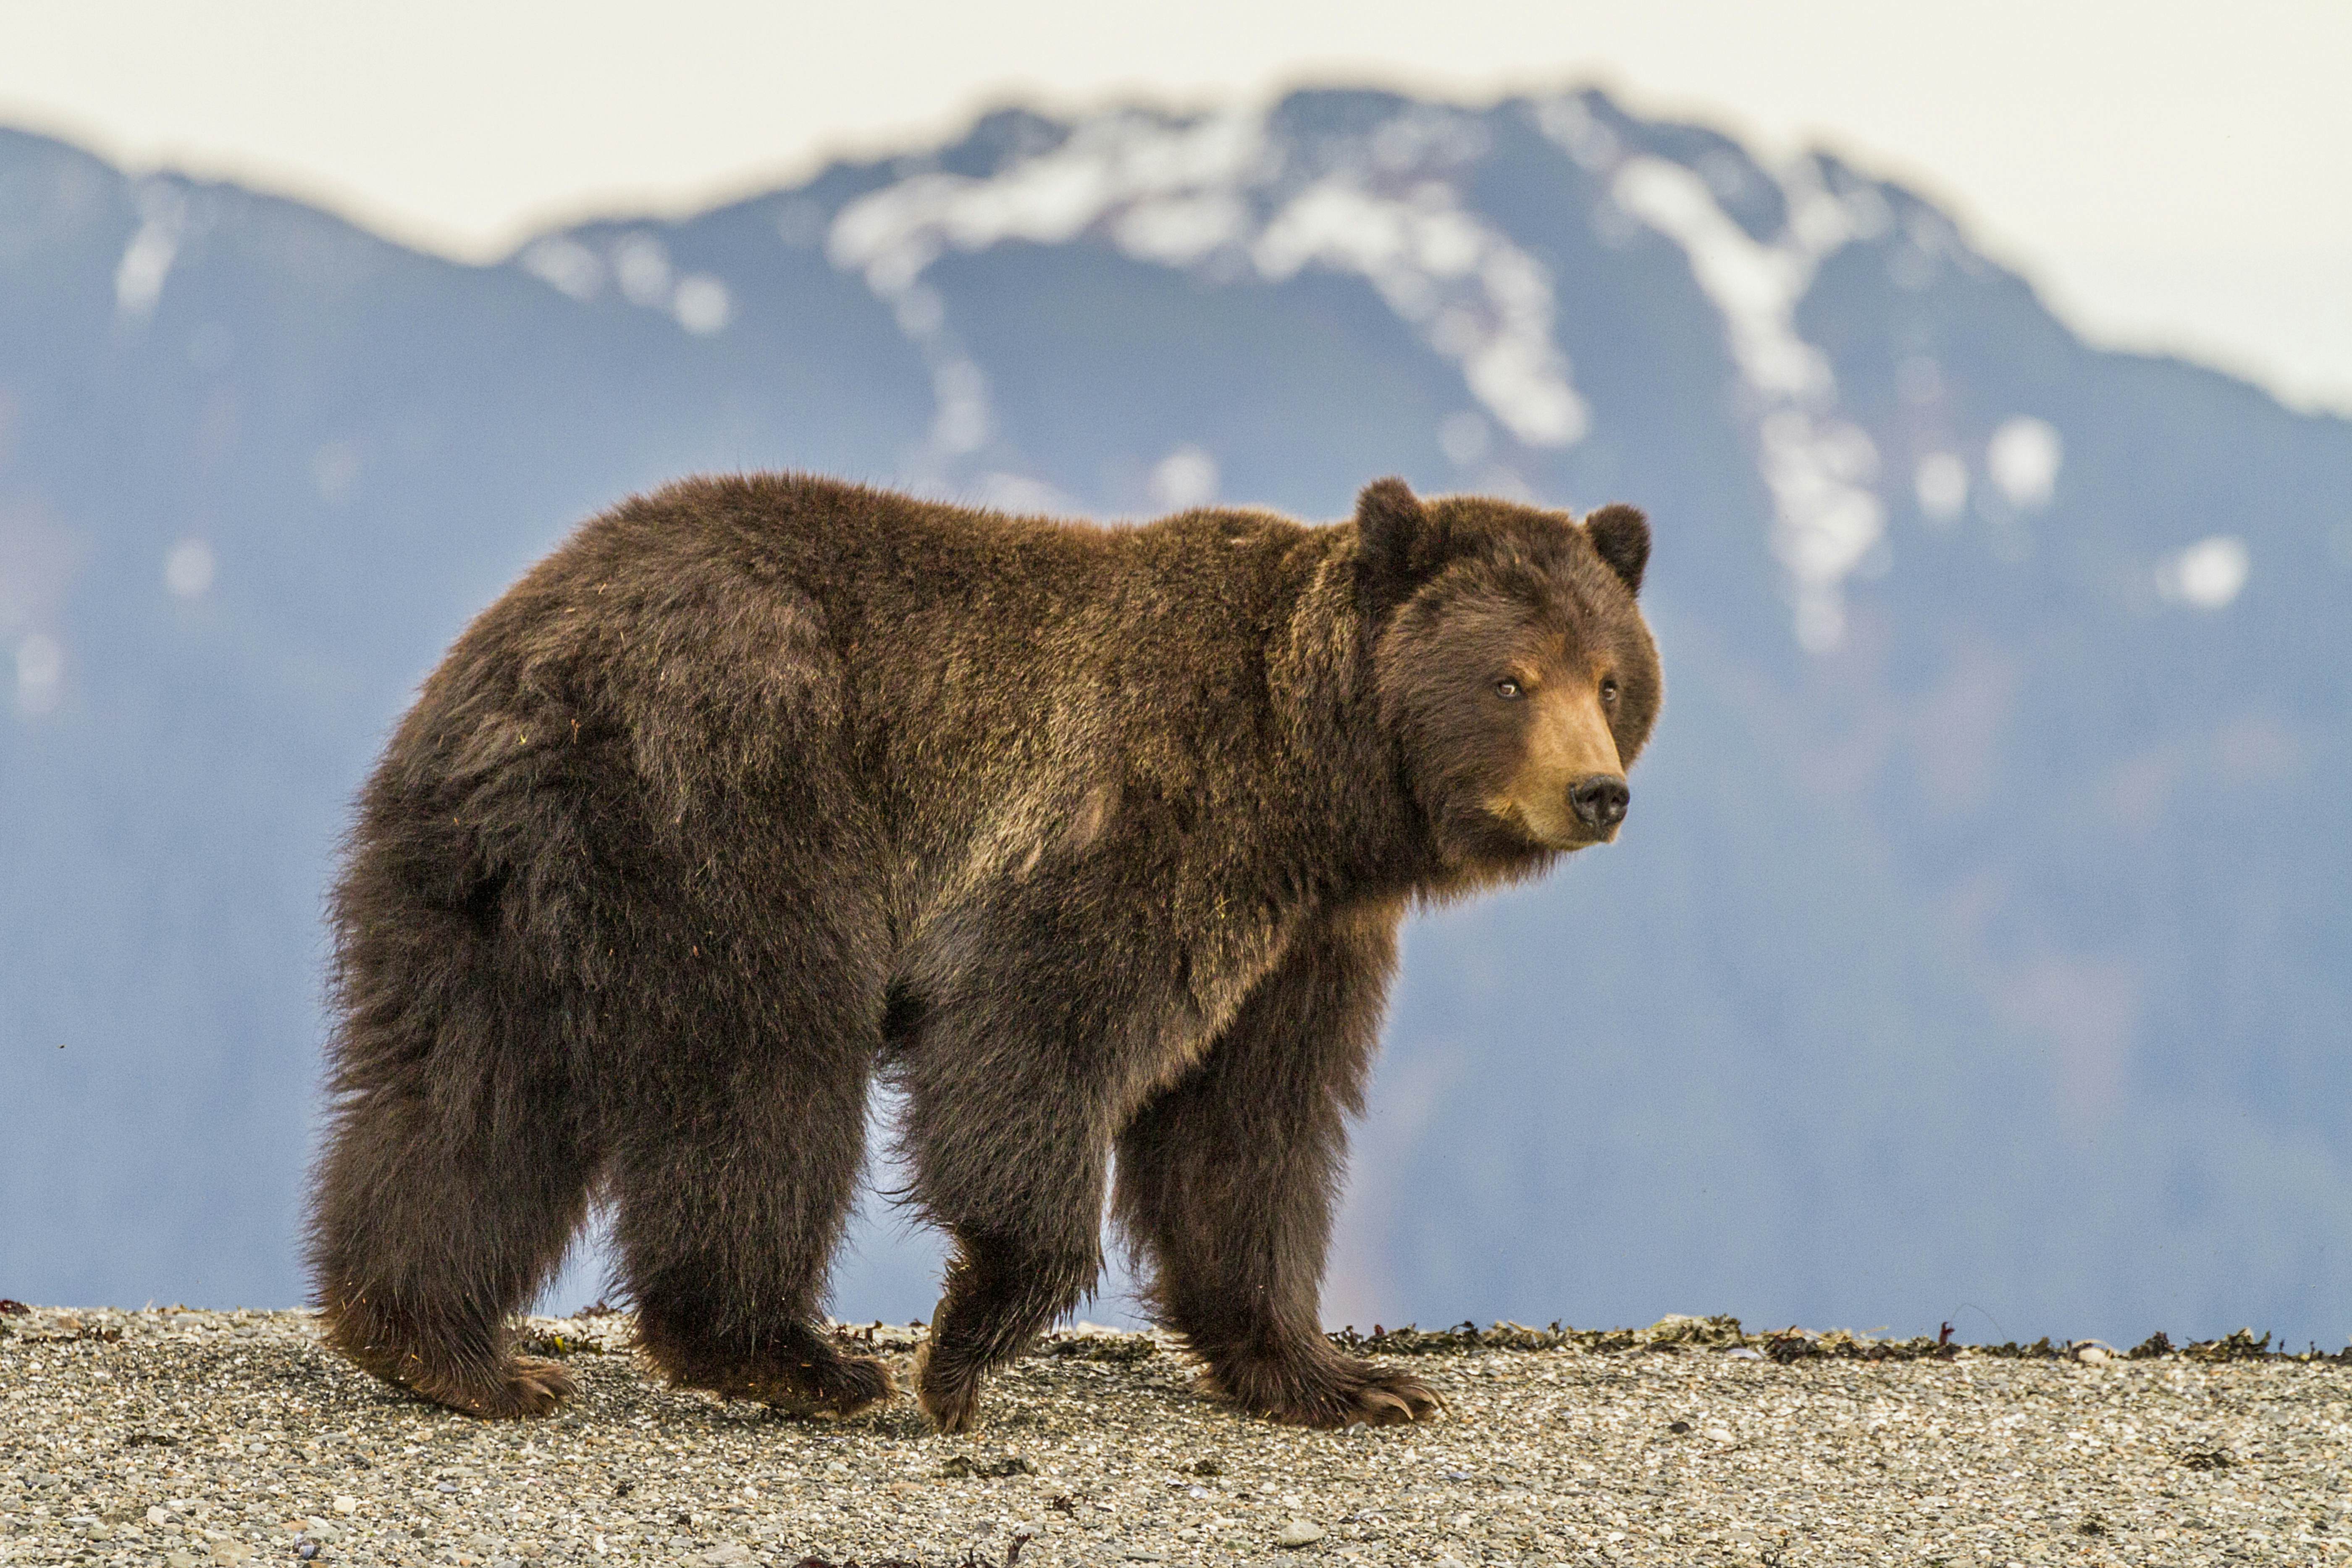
(180, 1438)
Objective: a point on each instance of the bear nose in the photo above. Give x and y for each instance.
(1600, 800)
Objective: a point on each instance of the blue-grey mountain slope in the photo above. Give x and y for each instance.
(1980, 938)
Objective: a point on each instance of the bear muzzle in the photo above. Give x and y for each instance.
(1568, 789)
(1600, 801)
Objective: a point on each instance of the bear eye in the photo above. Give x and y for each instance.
(1609, 689)
(1508, 690)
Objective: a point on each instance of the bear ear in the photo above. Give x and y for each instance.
(1399, 544)
(1621, 535)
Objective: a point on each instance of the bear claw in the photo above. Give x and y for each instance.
(530, 1387)
(954, 1406)
(852, 1384)
(1393, 1399)
(1348, 1393)
(833, 1389)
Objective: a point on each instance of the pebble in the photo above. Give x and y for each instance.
(1298, 1532)
(727, 1555)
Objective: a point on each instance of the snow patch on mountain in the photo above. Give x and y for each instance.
(1821, 468)
(1940, 483)
(565, 265)
(1187, 476)
(1177, 181)
(155, 245)
(40, 674)
(2207, 575)
(1218, 191)
(1478, 300)
(639, 264)
(188, 569)
(1755, 285)
(2023, 457)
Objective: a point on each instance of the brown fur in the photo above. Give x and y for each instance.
(1086, 837)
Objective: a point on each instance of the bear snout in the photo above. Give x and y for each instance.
(1600, 801)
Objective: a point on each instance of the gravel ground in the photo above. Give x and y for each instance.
(183, 1438)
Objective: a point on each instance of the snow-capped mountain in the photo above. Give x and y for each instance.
(1980, 936)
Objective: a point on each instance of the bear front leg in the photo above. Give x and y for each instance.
(1226, 1183)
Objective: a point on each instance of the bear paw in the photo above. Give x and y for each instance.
(950, 1398)
(797, 1370)
(826, 1385)
(832, 1392)
(1382, 1399)
(1329, 1393)
(529, 1387)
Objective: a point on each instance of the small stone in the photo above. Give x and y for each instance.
(725, 1556)
(1298, 1532)
(179, 1560)
(347, 1505)
(1718, 1434)
(231, 1551)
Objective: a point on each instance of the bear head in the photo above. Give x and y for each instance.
(1512, 665)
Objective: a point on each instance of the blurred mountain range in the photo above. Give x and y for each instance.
(1981, 945)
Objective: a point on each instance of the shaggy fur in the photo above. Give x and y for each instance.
(1086, 837)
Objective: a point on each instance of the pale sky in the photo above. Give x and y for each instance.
(2173, 175)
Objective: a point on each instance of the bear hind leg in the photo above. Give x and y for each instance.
(726, 1215)
(428, 1229)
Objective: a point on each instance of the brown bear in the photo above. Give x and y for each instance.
(1088, 838)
